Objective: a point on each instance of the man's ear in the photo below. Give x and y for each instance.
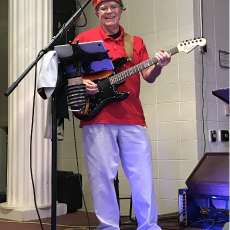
(96, 12)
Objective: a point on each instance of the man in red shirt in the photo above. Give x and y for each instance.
(118, 132)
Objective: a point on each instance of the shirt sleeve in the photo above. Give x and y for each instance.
(75, 40)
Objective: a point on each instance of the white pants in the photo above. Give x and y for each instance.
(104, 147)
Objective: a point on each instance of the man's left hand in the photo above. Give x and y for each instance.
(163, 58)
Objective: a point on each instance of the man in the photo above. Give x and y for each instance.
(118, 132)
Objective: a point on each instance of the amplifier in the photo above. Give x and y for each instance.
(69, 190)
(182, 207)
(202, 211)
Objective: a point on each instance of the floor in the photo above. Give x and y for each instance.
(80, 221)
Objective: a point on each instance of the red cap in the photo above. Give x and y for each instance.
(97, 2)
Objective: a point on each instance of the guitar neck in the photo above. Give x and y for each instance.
(120, 77)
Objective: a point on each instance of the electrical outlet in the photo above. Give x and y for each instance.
(224, 135)
(212, 135)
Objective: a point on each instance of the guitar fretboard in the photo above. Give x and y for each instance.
(120, 77)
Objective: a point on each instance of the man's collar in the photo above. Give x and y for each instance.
(106, 36)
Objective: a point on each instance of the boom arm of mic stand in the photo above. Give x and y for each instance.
(65, 28)
(27, 70)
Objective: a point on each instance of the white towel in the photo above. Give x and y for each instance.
(47, 80)
(48, 73)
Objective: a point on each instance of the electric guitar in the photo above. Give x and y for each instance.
(108, 86)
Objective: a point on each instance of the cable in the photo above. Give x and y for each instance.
(31, 141)
(201, 17)
(85, 18)
(78, 171)
(79, 26)
(202, 83)
(203, 104)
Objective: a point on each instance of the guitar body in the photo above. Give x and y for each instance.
(95, 103)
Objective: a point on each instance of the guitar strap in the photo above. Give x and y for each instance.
(128, 42)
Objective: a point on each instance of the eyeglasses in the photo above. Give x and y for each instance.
(104, 9)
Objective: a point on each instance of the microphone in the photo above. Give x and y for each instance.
(76, 90)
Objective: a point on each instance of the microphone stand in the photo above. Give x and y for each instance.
(12, 87)
(50, 46)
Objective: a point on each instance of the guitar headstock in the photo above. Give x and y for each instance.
(188, 45)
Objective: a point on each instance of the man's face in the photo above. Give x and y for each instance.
(109, 13)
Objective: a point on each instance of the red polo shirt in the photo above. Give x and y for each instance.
(128, 111)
